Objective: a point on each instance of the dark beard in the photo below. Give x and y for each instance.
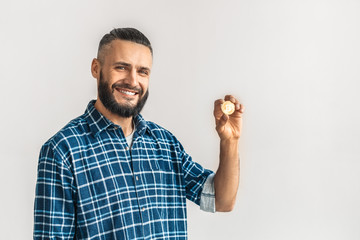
(108, 100)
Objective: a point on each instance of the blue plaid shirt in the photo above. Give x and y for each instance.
(91, 185)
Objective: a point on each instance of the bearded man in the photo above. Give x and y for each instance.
(110, 174)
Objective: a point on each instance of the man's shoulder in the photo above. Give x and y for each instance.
(69, 134)
(161, 133)
(164, 137)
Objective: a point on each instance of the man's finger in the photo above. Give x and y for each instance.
(222, 121)
(230, 98)
(242, 108)
(218, 102)
(217, 108)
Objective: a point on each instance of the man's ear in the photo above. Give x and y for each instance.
(95, 68)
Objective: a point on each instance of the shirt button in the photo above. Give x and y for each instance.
(143, 209)
(137, 178)
(127, 148)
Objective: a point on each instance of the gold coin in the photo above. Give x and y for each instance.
(228, 107)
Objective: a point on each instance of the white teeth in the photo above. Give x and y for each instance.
(128, 93)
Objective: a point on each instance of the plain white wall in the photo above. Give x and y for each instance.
(293, 64)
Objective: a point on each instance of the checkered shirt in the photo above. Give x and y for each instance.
(91, 185)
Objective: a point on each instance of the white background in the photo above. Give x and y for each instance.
(293, 64)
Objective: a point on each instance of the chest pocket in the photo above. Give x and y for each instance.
(154, 162)
(161, 162)
(160, 165)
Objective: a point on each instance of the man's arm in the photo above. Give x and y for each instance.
(226, 180)
(54, 210)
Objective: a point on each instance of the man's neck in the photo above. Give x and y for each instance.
(125, 123)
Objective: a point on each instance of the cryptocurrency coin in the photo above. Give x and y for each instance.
(228, 107)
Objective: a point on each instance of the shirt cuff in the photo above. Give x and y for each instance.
(207, 199)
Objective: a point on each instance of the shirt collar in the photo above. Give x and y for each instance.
(98, 122)
(140, 124)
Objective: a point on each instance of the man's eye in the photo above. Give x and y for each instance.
(120, 67)
(144, 72)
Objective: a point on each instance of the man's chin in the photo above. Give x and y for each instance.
(123, 99)
(127, 104)
(121, 105)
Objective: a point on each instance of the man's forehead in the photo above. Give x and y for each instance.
(128, 51)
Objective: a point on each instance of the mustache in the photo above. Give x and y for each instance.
(126, 86)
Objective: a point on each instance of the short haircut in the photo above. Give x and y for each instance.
(127, 34)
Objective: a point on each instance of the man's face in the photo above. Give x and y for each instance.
(124, 77)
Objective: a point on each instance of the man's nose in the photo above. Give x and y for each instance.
(132, 78)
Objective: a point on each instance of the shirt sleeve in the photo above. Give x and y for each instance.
(195, 177)
(207, 200)
(54, 210)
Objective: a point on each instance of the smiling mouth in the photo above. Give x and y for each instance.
(126, 92)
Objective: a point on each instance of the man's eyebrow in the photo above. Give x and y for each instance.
(123, 64)
(145, 68)
(129, 65)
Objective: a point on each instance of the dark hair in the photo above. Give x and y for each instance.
(128, 34)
